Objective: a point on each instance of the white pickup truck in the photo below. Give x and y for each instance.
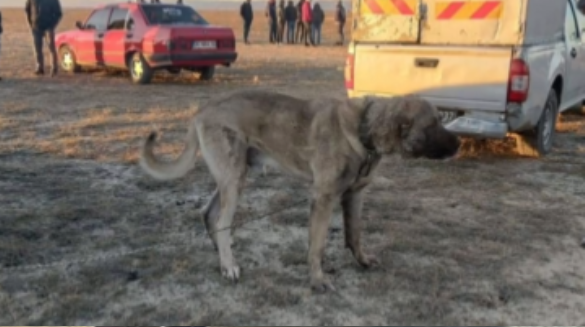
(492, 67)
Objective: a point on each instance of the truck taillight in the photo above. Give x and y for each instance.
(349, 69)
(519, 81)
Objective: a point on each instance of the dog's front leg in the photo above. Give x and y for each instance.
(351, 204)
(321, 210)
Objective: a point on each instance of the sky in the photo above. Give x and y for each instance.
(197, 4)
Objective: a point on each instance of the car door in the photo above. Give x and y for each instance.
(85, 49)
(581, 28)
(574, 85)
(115, 38)
(98, 23)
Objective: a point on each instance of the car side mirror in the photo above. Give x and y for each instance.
(79, 25)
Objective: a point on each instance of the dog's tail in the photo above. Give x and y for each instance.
(167, 170)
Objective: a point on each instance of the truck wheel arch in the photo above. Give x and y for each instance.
(558, 87)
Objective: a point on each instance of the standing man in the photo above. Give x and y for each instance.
(291, 20)
(43, 16)
(318, 17)
(281, 21)
(340, 19)
(247, 15)
(271, 15)
(307, 21)
(300, 26)
(1, 37)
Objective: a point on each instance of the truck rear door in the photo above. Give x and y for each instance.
(440, 53)
(386, 21)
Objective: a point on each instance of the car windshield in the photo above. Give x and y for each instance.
(166, 15)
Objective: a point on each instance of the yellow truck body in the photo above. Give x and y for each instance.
(488, 65)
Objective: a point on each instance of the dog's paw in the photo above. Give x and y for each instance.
(322, 285)
(368, 261)
(231, 273)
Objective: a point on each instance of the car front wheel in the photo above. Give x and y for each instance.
(67, 60)
(207, 73)
(140, 72)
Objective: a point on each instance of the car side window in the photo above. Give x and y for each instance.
(118, 19)
(571, 27)
(580, 22)
(98, 20)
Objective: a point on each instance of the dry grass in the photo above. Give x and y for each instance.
(487, 239)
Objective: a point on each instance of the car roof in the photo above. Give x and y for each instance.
(133, 4)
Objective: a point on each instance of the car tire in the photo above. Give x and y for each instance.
(140, 71)
(207, 73)
(67, 60)
(541, 138)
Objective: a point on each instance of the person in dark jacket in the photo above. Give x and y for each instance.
(43, 16)
(300, 26)
(247, 15)
(290, 15)
(272, 24)
(1, 31)
(317, 22)
(340, 16)
(281, 20)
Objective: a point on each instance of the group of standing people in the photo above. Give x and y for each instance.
(302, 22)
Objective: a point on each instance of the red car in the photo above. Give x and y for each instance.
(143, 38)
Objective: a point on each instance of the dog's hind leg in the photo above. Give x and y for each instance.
(351, 204)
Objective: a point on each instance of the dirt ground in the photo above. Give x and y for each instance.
(87, 239)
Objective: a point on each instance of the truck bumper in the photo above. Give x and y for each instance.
(477, 127)
(471, 123)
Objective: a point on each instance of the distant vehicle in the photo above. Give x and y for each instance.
(144, 38)
(492, 67)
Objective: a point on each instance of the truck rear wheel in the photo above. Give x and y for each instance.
(541, 138)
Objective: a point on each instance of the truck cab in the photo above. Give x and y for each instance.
(492, 67)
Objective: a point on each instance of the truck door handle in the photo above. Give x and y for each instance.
(573, 52)
(426, 62)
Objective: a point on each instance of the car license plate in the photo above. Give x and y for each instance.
(198, 45)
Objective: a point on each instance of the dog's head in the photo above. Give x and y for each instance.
(410, 125)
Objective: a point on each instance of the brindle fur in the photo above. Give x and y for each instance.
(335, 144)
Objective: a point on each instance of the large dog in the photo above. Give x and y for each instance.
(334, 144)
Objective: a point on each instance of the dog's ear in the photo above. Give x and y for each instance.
(403, 119)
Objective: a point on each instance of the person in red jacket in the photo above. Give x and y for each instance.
(307, 17)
